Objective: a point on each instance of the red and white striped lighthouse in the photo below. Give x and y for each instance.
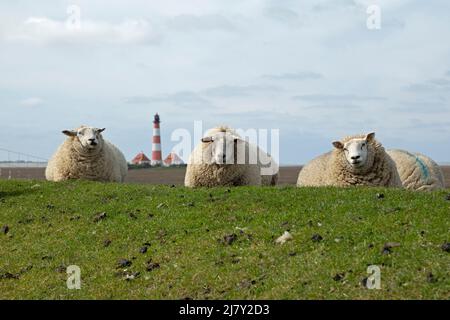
(156, 146)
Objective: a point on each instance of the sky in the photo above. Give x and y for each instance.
(312, 69)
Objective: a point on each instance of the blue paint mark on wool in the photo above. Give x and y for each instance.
(423, 167)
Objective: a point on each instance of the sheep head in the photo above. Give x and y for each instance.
(86, 138)
(220, 148)
(357, 151)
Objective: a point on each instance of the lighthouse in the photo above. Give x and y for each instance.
(156, 146)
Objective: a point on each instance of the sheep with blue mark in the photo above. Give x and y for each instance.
(358, 160)
(417, 171)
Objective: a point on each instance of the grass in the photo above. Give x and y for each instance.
(51, 226)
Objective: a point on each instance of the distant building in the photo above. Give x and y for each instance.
(140, 159)
(156, 160)
(173, 160)
(156, 145)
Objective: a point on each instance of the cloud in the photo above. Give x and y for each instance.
(432, 126)
(282, 14)
(31, 102)
(239, 91)
(337, 97)
(423, 107)
(334, 107)
(394, 23)
(438, 84)
(299, 76)
(43, 30)
(189, 22)
(202, 98)
(337, 4)
(185, 99)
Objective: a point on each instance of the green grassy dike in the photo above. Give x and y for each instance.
(220, 243)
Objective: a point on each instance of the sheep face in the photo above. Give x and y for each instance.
(88, 138)
(356, 151)
(221, 148)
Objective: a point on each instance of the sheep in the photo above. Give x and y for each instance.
(417, 171)
(220, 160)
(357, 160)
(86, 155)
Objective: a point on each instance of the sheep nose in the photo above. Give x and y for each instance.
(355, 157)
(91, 140)
(224, 158)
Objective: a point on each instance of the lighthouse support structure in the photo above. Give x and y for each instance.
(156, 145)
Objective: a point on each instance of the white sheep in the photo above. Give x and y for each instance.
(223, 158)
(417, 171)
(86, 155)
(356, 161)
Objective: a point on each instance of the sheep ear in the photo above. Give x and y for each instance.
(207, 139)
(70, 133)
(338, 145)
(101, 130)
(370, 136)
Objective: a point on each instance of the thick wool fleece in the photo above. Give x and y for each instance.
(207, 174)
(314, 173)
(202, 172)
(332, 169)
(222, 129)
(71, 161)
(417, 171)
(266, 179)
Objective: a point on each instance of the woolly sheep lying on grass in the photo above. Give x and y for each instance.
(417, 171)
(220, 160)
(86, 155)
(356, 161)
